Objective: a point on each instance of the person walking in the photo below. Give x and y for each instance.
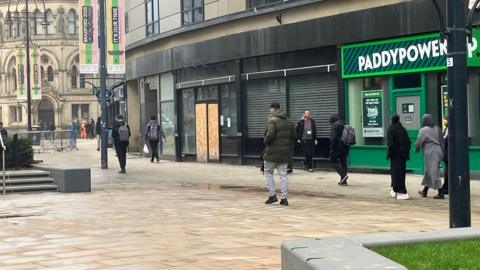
(307, 137)
(121, 136)
(73, 134)
(430, 140)
(91, 130)
(98, 131)
(338, 149)
(3, 131)
(83, 128)
(153, 135)
(445, 190)
(398, 152)
(278, 152)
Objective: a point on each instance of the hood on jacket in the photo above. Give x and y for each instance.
(334, 118)
(279, 114)
(153, 122)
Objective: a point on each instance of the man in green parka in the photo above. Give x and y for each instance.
(278, 151)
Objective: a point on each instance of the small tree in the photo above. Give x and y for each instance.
(19, 153)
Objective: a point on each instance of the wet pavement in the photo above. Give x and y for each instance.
(195, 216)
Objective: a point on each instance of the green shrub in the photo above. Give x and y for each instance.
(19, 154)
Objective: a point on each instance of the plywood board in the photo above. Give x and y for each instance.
(201, 132)
(213, 133)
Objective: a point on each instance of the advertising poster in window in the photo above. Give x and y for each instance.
(89, 50)
(35, 74)
(372, 114)
(444, 105)
(21, 75)
(115, 37)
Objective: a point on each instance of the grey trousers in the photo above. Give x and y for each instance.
(282, 172)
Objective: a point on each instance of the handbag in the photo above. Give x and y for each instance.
(145, 149)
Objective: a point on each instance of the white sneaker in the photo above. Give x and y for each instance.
(393, 194)
(403, 197)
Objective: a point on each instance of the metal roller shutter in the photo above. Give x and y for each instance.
(260, 94)
(319, 94)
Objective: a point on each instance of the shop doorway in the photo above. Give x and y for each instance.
(408, 101)
(207, 132)
(46, 114)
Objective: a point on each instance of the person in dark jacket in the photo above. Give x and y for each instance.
(307, 136)
(153, 135)
(398, 153)
(98, 131)
(338, 149)
(121, 142)
(278, 152)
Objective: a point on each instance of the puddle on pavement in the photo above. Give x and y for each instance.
(210, 186)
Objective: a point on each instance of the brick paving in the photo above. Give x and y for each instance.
(196, 216)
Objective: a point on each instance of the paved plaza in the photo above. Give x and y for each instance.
(196, 216)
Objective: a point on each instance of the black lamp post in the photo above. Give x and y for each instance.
(19, 16)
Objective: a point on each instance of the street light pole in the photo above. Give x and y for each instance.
(103, 85)
(27, 48)
(458, 156)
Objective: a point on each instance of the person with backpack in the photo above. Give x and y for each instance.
(278, 152)
(307, 137)
(398, 152)
(342, 136)
(153, 134)
(121, 136)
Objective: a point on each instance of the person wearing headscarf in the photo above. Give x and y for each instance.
(398, 153)
(430, 140)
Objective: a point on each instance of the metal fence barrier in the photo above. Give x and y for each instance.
(43, 141)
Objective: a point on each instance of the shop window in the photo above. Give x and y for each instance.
(368, 110)
(192, 11)
(228, 119)
(167, 108)
(207, 93)
(152, 17)
(188, 110)
(407, 81)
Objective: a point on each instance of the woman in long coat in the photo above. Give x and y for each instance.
(430, 140)
(399, 146)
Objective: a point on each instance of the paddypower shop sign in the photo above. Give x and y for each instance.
(402, 55)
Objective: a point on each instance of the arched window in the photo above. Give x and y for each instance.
(42, 73)
(18, 25)
(9, 23)
(14, 79)
(50, 73)
(72, 24)
(74, 76)
(50, 22)
(39, 29)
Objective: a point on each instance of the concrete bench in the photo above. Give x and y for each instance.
(69, 178)
(354, 252)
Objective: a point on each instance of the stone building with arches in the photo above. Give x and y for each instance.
(66, 94)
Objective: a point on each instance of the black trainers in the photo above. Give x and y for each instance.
(343, 182)
(422, 193)
(122, 171)
(271, 199)
(289, 171)
(284, 202)
(439, 197)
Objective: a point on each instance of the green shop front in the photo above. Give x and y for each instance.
(404, 76)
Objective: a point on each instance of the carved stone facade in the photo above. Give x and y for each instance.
(66, 94)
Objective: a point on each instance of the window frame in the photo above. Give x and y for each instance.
(250, 5)
(52, 22)
(39, 29)
(74, 22)
(183, 11)
(155, 21)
